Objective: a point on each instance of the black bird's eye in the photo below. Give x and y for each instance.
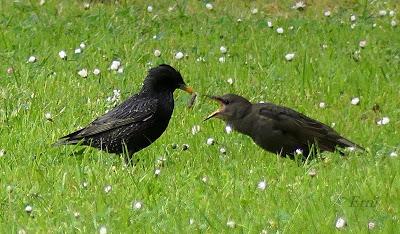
(226, 102)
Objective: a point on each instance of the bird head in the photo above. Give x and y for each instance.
(165, 78)
(232, 107)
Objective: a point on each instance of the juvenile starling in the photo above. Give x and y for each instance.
(278, 129)
(138, 121)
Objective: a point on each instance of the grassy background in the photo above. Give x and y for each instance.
(51, 179)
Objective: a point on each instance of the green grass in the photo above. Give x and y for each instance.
(50, 178)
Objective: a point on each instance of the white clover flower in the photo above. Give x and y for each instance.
(312, 172)
(86, 5)
(170, 8)
(223, 49)
(383, 121)
(371, 225)
(254, 11)
(195, 129)
(191, 221)
(327, 13)
(120, 70)
(209, 6)
(352, 26)
(353, 18)
(78, 50)
(324, 46)
(77, 214)
(62, 54)
(83, 73)
(115, 65)
(149, 8)
(374, 25)
(48, 116)
(2, 152)
(9, 188)
(392, 13)
(262, 185)
(10, 70)
(161, 160)
(231, 224)
(200, 59)
(137, 205)
(179, 55)
(230, 81)
(204, 179)
(28, 209)
(82, 45)
(382, 12)
(107, 188)
(299, 151)
(222, 150)
(393, 23)
(221, 59)
(96, 71)
(289, 56)
(355, 101)
(393, 154)
(279, 30)
(103, 230)
(322, 105)
(85, 184)
(363, 43)
(157, 53)
(210, 141)
(291, 27)
(333, 124)
(228, 129)
(42, 2)
(31, 59)
(21, 231)
(340, 223)
(239, 20)
(157, 172)
(269, 24)
(299, 5)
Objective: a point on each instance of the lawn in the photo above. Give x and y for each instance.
(341, 70)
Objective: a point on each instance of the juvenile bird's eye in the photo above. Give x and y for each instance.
(226, 102)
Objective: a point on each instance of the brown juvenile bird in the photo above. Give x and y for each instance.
(138, 121)
(276, 128)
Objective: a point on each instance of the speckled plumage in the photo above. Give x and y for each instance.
(278, 129)
(138, 121)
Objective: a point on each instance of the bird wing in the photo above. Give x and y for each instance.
(133, 110)
(303, 128)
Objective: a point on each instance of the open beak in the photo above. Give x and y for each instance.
(217, 112)
(186, 88)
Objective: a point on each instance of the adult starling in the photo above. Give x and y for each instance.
(278, 129)
(138, 121)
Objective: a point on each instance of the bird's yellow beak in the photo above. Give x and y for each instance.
(186, 88)
(217, 112)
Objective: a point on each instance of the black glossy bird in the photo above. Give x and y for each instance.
(138, 121)
(276, 128)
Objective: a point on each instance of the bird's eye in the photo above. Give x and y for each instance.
(226, 102)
